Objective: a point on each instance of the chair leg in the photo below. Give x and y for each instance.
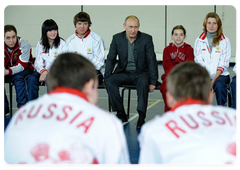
(129, 98)
(123, 96)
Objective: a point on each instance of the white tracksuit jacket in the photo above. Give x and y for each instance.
(63, 127)
(217, 60)
(90, 46)
(44, 60)
(191, 133)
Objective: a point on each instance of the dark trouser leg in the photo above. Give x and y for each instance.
(233, 91)
(142, 85)
(112, 84)
(20, 86)
(6, 104)
(33, 86)
(220, 89)
(99, 76)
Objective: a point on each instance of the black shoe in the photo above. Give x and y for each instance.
(6, 112)
(122, 116)
(140, 123)
(141, 119)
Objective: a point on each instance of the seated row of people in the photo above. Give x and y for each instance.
(66, 127)
(20, 67)
(137, 63)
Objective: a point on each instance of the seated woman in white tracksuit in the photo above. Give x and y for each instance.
(48, 48)
(213, 51)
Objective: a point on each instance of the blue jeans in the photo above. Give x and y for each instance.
(33, 85)
(20, 88)
(220, 88)
(233, 91)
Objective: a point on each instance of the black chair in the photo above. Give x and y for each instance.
(102, 86)
(132, 87)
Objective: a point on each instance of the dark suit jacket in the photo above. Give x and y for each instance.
(144, 55)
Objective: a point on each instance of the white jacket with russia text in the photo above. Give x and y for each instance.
(191, 133)
(63, 127)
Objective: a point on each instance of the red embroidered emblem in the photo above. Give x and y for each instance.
(64, 156)
(232, 148)
(40, 152)
(95, 161)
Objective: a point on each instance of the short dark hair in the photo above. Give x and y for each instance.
(83, 17)
(8, 28)
(70, 70)
(189, 80)
(49, 25)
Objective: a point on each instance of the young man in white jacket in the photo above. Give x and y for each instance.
(65, 126)
(193, 131)
(87, 43)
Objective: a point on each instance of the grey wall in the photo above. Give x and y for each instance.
(156, 20)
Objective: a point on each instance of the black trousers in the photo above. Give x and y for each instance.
(141, 81)
(99, 76)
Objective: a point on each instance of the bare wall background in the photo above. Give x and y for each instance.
(156, 20)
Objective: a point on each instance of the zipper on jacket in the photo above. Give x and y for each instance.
(12, 54)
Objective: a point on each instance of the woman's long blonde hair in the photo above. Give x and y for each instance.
(218, 35)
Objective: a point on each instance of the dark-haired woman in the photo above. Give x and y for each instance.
(48, 48)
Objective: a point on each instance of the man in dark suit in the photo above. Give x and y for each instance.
(137, 65)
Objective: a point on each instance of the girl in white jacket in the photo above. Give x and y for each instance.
(48, 48)
(212, 50)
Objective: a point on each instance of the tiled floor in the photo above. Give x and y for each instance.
(155, 107)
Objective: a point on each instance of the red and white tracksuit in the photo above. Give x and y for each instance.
(218, 59)
(45, 60)
(63, 127)
(90, 46)
(191, 133)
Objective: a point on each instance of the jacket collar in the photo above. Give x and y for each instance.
(69, 90)
(204, 35)
(188, 101)
(171, 44)
(87, 33)
(124, 34)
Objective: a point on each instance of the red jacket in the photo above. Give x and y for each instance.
(19, 58)
(172, 55)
